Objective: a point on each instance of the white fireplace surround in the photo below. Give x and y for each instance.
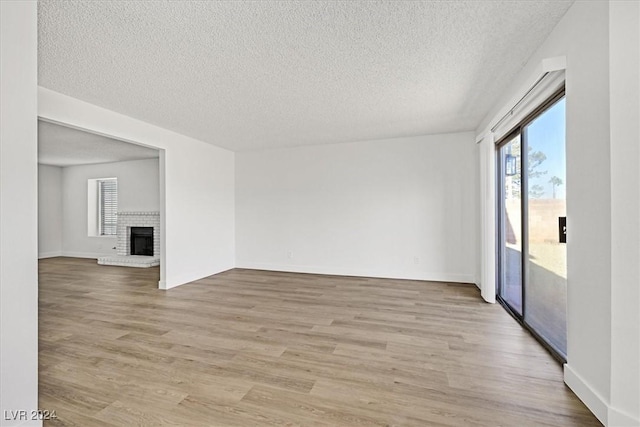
(123, 256)
(126, 220)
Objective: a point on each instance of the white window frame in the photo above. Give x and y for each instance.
(95, 206)
(102, 230)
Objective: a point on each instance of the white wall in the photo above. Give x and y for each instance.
(138, 190)
(624, 51)
(397, 208)
(588, 187)
(18, 210)
(49, 211)
(583, 36)
(200, 211)
(197, 206)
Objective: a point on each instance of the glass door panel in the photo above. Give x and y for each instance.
(546, 266)
(510, 225)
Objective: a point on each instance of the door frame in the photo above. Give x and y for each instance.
(524, 229)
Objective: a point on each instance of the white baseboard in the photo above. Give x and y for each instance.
(44, 255)
(620, 419)
(91, 255)
(596, 403)
(601, 408)
(386, 274)
(173, 282)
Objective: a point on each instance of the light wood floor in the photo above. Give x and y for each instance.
(259, 348)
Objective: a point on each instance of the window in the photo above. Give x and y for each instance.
(107, 206)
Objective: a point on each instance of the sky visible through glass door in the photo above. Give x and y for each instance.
(544, 135)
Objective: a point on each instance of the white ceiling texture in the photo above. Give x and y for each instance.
(249, 75)
(63, 146)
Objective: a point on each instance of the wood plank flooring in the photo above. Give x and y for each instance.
(247, 348)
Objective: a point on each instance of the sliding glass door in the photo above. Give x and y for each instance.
(511, 221)
(532, 273)
(546, 268)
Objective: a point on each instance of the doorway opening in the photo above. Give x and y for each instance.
(93, 190)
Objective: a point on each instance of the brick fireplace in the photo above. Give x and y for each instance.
(127, 221)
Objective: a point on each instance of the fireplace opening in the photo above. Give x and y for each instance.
(142, 241)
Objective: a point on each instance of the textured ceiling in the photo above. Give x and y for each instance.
(63, 146)
(250, 75)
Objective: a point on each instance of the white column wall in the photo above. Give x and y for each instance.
(624, 45)
(18, 212)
